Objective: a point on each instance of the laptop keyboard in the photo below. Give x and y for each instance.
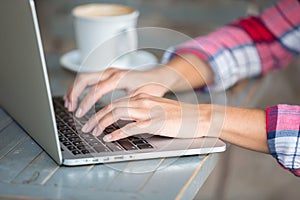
(78, 142)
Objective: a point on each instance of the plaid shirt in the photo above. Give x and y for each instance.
(251, 47)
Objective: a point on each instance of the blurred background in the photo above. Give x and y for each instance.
(239, 174)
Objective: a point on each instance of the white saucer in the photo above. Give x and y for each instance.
(141, 60)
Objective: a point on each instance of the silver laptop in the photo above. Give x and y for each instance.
(26, 96)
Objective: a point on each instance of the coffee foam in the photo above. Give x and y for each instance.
(102, 10)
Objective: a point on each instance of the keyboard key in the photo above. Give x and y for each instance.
(127, 145)
(76, 152)
(100, 148)
(72, 124)
(77, 128)
(110, 128)
(86, 135)
(113, 146)
(95, 143)
(140, 141)
(132, 138)
(69, 135)
(62, 127)
(73, 139)
(81, 147)
(67, 131)
(145, 146)
(91, 139)
(60, 124)
(77, 143)
(71, 148)
(85, 151)
(67, 143)
(62, 139)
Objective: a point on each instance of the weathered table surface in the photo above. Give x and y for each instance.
(27, 172)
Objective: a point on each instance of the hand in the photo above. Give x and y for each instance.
(101, 83)
(153, 115)
(165, 117)
(183, 72)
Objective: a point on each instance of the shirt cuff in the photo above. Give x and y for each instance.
(283, 134)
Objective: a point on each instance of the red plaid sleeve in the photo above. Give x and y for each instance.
(249, 47)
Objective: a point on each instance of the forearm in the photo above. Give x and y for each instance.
(243, 127)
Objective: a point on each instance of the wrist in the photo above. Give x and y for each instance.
(186, 72)
(212, 118)
(165, 76)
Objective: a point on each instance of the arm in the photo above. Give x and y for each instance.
(223, 57)
(251, 47)
(248, 47)
(276, 131)
(243, 127)
(158, 116)
(217, 60)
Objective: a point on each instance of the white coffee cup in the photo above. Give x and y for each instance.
(104, 32)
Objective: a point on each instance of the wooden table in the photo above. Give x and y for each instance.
(27, 172)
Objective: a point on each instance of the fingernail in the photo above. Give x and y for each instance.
(95, 130)
(69, 106)
(85, 127)
(66, 103)
(107, 138)
(79, 112)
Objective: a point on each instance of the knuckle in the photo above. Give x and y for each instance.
(104, 120)
(115, 110)
(100, 126)
(81, 78)
(104, 110)
(108, 107)
(96, 91)
(110, 69)
(147, 102)
(117, 77)
(140, 97)
(118, 73)
(118, 112)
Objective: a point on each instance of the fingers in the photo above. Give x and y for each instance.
(83, 81)
(125, 109)
(98, 91)
(129, 130)
(121, 103)
(140, 109)
(100, 121)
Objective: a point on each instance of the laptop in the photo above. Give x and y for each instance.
(26, 96)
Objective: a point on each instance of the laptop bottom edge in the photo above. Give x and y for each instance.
(140, 156)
